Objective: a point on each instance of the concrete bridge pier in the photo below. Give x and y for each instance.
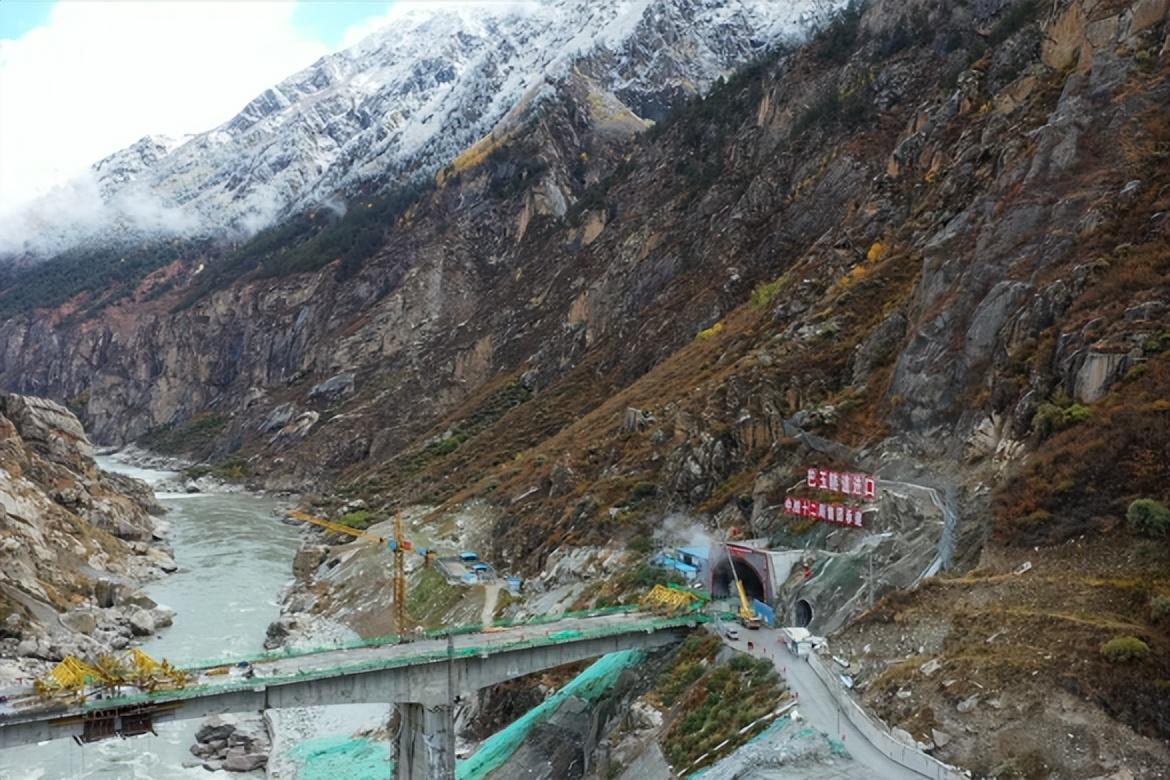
(425, 743)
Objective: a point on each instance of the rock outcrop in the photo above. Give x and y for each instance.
(73, 540)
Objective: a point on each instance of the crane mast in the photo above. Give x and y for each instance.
(747, 614)
(399, 575)
(398, 547)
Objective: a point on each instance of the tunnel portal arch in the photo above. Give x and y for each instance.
(802, 613)
(723, 581)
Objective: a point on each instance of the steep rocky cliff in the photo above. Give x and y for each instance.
(933, 243)
(73, 541)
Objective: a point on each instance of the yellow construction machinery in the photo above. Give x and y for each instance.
(399, 546)
(671, 600)
(108, 673)
(747, 614)
(660, 598)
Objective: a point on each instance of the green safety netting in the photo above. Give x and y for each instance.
(357, 758)
(589, 685)
(342, 756)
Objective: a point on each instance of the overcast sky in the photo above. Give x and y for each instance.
(80, 79)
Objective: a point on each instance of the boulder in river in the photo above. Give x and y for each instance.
(238, 760)
(141, 622)
(217, 727)
(232, 743)
(278, 632)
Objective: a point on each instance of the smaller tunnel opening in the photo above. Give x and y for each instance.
(802, 613)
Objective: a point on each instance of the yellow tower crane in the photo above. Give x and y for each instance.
(399, 546)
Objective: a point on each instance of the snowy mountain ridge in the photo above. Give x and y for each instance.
(399, 105)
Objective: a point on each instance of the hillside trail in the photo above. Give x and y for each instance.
(491, 594)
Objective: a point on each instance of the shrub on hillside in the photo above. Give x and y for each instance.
(1086, 475)
(647, 575)
(1148, 517)
(360, 519)
(644, 490)
(1123, 649)
(1056, 416)
(711, 332)
(764, 292)
(1160, 607)
(641, 544)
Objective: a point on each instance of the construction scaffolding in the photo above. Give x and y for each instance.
(108, 674)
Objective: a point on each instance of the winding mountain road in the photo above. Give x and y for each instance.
(816, 704)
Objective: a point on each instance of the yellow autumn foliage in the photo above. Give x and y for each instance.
(711, 332)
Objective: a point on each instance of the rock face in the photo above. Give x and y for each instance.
(70, 538)
(904, 266)
(334, 388)
(52, 431)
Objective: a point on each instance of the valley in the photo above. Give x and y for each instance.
(582, 299)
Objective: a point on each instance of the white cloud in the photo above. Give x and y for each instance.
(407, 9)
(41, 231)
(100, 75)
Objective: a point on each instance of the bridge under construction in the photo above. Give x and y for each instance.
(423, 679)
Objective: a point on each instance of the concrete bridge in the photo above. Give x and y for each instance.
(422, 679)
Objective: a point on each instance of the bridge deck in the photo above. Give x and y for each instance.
(294, 668)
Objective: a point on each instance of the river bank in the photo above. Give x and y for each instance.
(77, 544)
(233, 558)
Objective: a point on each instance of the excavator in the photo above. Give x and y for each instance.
(747, 616)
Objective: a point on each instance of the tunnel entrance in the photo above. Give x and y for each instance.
(802, 613)
(723, 581)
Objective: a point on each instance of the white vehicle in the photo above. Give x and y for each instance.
(731, 633)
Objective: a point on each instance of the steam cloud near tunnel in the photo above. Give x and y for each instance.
(682, 530)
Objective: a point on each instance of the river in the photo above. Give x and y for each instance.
(234, 558)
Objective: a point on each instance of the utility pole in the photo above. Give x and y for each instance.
(869, 582)
(449, 734)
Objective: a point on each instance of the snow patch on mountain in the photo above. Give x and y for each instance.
(398, 105)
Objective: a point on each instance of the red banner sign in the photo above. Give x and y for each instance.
(838, 514)
(860, 485)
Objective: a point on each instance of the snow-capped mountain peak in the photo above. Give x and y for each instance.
(401, 103)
